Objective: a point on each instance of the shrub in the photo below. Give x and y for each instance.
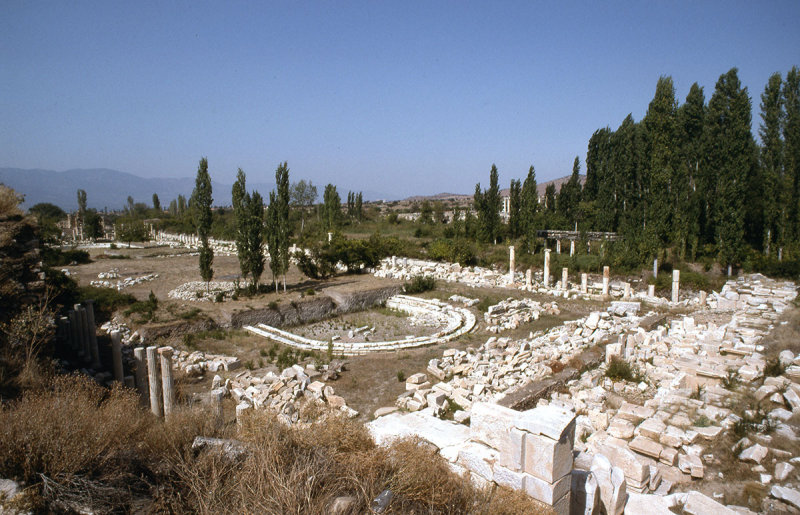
(401, 376)
(57, 257)
(620, 370)
(106, 301)
(774, 368)
(420, 284)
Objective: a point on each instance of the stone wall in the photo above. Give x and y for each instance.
(311, 310)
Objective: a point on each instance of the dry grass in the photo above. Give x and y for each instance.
(80, 446)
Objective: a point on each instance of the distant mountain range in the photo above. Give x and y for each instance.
(540, 188)
(110, 189)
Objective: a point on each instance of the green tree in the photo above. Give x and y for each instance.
(691, 119)
(331, 209)
(81, 202)
(776, 196)
(201, 200)
(660, 125)
(791, 138)
(303, 196)
(359, 207)
(241, 216)
(550, 198)
(529, 206)
(254, 238)
(282, 217)
(156, 204)
(488, 205)
(570, 195)
(515, 207)
(730, 152)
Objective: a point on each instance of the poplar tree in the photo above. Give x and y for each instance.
(515, 200)
(202, 199)
(691, 118)
(279, 205)
(791, 138)
(488, 205)
(529, 206)
(730, 153)
(156, 203)
(240, 220)
(359, 207)
(331, 208)
(776, 196)
(254, 238)
(660, 124)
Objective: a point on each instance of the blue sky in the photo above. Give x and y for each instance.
(395, 98)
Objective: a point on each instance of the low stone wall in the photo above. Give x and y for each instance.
(331, 304)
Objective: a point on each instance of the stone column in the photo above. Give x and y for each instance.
(606, 278)
(651, 290)
(83, 327)
(216, 400)
(655, 267)
(167, 385)
(571, 248)
(528, 279)
(730, 271)
(558, 246)
(584, 283)
(73, 332)
(155, 383)
(511, 263)
(116, 355)
(703, 297)
(564, 278)
(546, 278)
(676, 280)
(141, 373)
(63, 327)
(394, 261)
(330, 237)
(92, 330)
(627, 293)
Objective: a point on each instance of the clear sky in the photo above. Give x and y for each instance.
(395, 98)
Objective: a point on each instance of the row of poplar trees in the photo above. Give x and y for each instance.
(253, 225)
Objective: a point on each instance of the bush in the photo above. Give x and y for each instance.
(401, 376)
(57, 257)
(420, 284)
(106, 301)
(774, 368)
(620, 370)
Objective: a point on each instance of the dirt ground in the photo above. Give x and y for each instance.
(370, 381)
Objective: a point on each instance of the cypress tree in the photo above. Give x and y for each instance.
(331, 208)
(488, 205)
(254, 240)
(282, 218)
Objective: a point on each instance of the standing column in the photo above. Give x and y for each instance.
(703, 297)
(394, 261)
(676, 279)
(546, 278)
(92, 330)
(166, 379)
(564, 278)
(528, 279)
(558, 246)
(116, 355)
(651, 290)
(141, 373)
(584, 283)
(571, 248)
(627, 293)
(155, 383)
(606, 277)
(655, 268)
(511, 263)
(73, 331)
(84, 333)
(330, 237)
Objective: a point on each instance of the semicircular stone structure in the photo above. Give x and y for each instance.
(456, 321)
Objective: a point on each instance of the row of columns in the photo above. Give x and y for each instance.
(78, 331)
(154, 380)
(676, 274)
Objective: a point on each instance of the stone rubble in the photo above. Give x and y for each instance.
(653, 430)
(199, 291)
(510, 313)
(105, 282)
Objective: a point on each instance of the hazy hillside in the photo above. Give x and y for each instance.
(540, 187)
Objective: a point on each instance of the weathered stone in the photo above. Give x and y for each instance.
(788, 495)
(646, 446)
(782, 471)
(491, 424)
(547, 459)
(692, 465)
(549, 421)
(652, 428)
(699, 504)
(621, 428)
(754, 454)
(544, 491)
